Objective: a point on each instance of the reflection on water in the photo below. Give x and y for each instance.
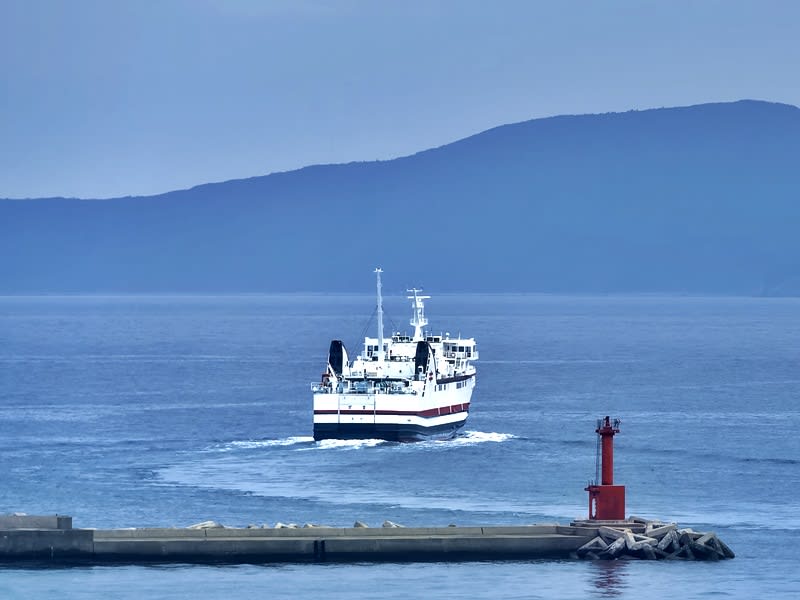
(609, 577)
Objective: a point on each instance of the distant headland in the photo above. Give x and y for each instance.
(699, 199)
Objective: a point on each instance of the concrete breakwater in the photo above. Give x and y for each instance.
(61, 543)
(53, 540)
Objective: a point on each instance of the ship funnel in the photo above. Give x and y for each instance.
(337, 357)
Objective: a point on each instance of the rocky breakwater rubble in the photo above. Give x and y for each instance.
(639, 538)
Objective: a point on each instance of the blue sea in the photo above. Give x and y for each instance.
(144, 411)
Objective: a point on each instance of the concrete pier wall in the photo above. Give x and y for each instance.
(45, 544)
(291, 544)
(335, 544)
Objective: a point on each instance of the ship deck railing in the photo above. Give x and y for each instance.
(319, 388)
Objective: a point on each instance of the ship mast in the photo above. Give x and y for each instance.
(378, 272)
(418, 321)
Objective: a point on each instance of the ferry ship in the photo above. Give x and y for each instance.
(399, 388)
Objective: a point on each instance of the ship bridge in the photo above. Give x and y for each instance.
(463, 349)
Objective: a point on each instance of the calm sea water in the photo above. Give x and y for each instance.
(166, 411)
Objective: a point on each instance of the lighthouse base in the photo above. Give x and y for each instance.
(606, 502)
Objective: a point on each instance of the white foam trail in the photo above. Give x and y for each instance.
(251, 444)
(344, 444)
(468, 438)
(290, 441)
(479, 437)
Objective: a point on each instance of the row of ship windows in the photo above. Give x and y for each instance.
(443, 386)
(447, 348)
(458, 348)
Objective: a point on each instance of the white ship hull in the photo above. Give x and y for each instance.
(438, 413)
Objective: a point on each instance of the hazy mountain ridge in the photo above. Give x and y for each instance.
(700, 199)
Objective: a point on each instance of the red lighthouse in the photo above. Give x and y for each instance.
(606, 501)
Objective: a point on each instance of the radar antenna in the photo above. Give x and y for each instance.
(418, 320)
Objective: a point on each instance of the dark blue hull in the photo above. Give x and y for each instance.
(388, 432)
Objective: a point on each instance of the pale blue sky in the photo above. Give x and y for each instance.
(107, 98)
